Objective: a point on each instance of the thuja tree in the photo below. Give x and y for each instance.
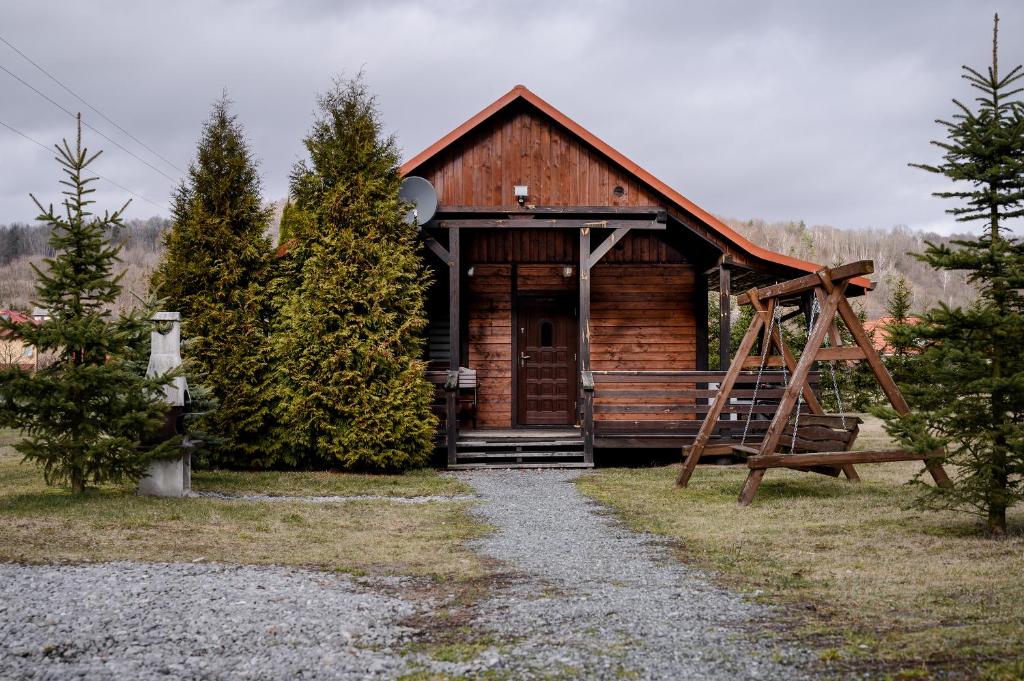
(350, 382)
(215, 271)
(969, 395)
(84, 416)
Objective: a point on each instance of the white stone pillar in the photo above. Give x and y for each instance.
(168, 477)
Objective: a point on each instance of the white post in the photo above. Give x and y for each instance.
(168, 477)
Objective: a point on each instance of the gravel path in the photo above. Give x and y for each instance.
(159, 621)
(601, 601)
(584, 598)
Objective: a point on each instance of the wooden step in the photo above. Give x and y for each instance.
(519, 455)
(519, 443)
(558, 464)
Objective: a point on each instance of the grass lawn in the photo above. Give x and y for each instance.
(46, 524)
(874, 586)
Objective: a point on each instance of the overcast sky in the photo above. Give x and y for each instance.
(775, 110)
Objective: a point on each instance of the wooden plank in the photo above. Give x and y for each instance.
(834, 458)
(607, 244)
(799, 285)
(542, 223)
(652, 211)
(848, 352)
(437, 249)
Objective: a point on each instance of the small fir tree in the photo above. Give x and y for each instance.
(969, 392)
(351, 386)
(899, 333)
(215, 271)
(85, 415)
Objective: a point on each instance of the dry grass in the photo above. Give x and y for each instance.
(874, 585)
(44, 524)
(425, 482)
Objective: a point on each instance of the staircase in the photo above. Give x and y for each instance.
(554, 448)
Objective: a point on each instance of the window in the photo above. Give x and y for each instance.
(547, 334)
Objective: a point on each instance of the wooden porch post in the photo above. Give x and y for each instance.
(724, 316)
(586, 384)
(455, 342)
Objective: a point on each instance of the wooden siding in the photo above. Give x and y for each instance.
(642, 318)
(522, 146)
(489, 312)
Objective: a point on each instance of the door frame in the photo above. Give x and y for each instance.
(567, 300)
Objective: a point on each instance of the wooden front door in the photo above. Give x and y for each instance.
(546, 361)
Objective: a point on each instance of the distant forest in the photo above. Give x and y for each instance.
(21, 244)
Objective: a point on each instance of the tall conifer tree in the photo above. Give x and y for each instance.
(351, 384)
(85, 414)
(970, 390)
(215, 271)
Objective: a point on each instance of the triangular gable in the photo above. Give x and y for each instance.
(681, 203)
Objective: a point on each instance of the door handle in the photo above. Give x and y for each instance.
(522, 359)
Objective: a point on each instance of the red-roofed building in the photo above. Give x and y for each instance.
(12, 351)
(879, 335)
(571, 277)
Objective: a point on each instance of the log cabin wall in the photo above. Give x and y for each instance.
(522, 146)
(643, 312)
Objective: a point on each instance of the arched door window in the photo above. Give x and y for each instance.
(547, 334)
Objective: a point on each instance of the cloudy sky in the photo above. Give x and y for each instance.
(776, 110)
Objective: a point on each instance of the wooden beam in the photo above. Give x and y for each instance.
(833, 458)
(454, 326)
(724, 316)
(656, 212)
(841, 352)
(583, 362)
(607, 245)
(545, 223)
(437, 249)
(799, 285)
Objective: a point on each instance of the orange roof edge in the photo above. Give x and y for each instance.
(521, 91)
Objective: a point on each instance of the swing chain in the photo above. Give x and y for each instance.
(814, 318)
(776, 318)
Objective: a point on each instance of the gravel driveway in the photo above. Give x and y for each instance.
(598, 600)
(584, 598)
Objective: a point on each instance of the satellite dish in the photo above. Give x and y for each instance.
(420, 193)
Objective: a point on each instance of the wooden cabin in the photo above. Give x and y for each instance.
(572, 291)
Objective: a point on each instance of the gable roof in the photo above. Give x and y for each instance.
(521, 92)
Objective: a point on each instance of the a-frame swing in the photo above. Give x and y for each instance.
(828, 290)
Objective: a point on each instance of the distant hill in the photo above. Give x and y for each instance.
(20, 244)
(889, 248)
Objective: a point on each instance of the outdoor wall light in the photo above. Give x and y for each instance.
(567, 271)
(469, 272)
(522, 191)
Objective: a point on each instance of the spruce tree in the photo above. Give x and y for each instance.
(969, 393)
(215, 271)
(351, 382)
(899, 332)
(85, 415)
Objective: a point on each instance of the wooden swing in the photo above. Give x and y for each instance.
(812, 429)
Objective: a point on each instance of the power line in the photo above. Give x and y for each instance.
(69, 113)
(79, 98)
(105, 179)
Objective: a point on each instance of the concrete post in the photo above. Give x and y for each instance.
(168, 477)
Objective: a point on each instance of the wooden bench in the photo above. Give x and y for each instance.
(759, 463)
